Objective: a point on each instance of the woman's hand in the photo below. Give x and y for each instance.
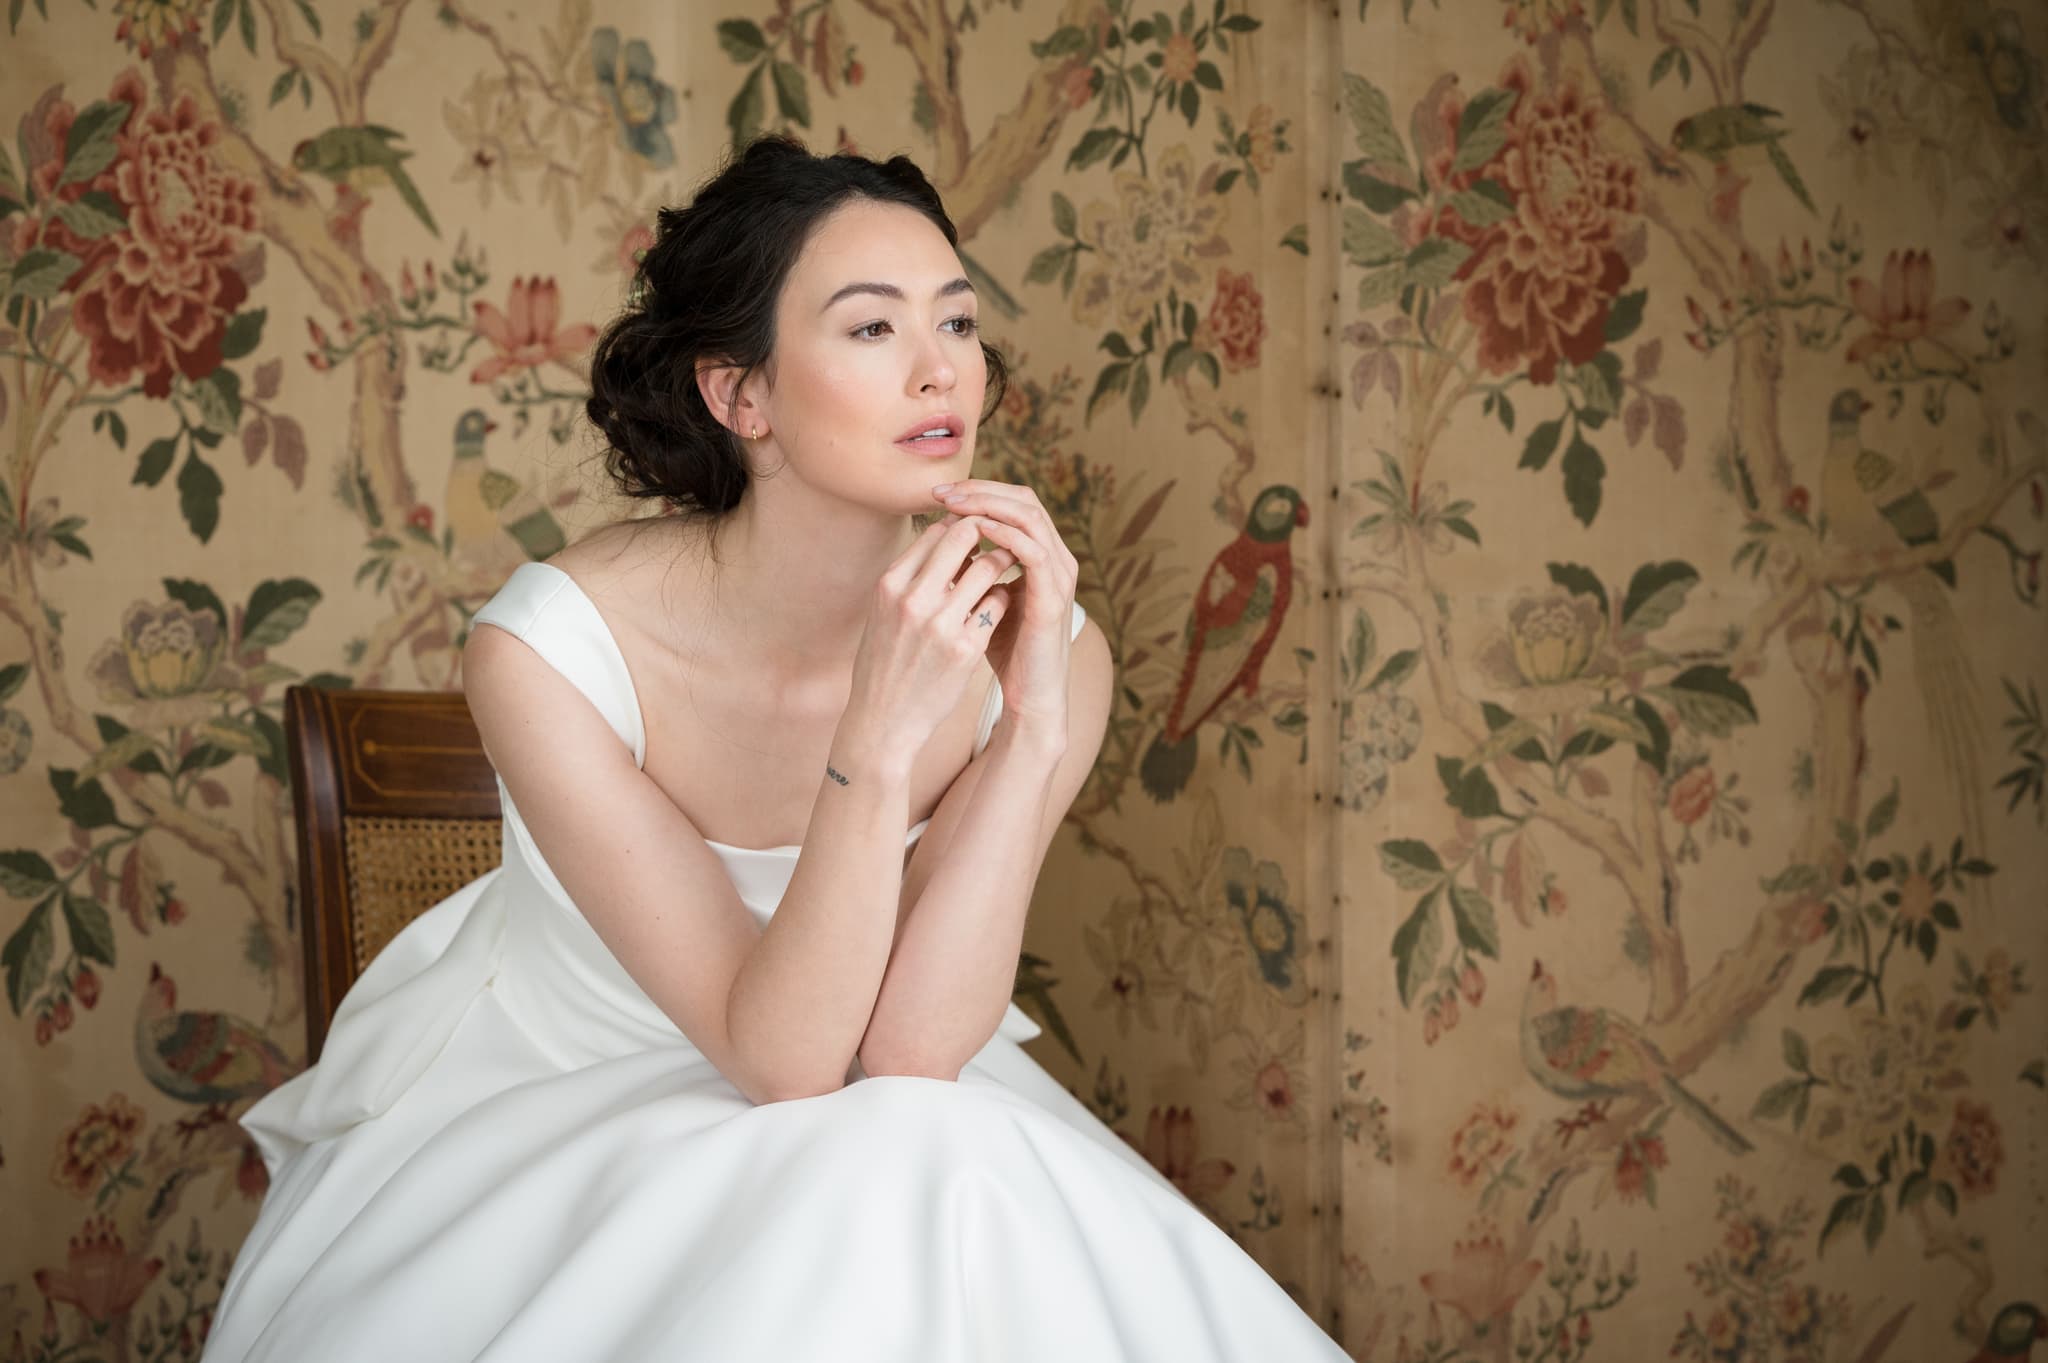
(1030, 647)
(932, 616)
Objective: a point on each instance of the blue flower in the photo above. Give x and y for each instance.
(643, 105)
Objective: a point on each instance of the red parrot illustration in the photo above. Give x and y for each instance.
(1235, 617)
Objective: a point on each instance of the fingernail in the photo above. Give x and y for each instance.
(941, 487)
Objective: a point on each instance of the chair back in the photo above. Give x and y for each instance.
(395, 807)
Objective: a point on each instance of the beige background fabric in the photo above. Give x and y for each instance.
(1563, 483)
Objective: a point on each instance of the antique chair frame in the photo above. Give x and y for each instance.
(395, 806)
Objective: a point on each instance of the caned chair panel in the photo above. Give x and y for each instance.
(399, 868)
(395, 806)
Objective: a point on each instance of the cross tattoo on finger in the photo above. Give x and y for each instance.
(986, 622)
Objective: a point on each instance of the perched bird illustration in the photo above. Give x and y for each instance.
(1589, 1055)
(360, 158)
(2013, 1332)
(1236, 616)
(1035, 985)
(206, 1058)
(483, 505)
(1868, 502)
(1722, 133)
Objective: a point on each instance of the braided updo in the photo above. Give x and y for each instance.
(707, 291)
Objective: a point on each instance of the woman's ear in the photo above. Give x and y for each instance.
(719, 384)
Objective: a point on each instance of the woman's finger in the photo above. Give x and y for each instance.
(1022, 509)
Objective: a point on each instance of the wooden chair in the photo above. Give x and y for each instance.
(395, 807)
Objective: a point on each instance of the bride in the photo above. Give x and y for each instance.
(720, 1064)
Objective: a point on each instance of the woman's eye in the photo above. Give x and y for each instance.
(962, 326)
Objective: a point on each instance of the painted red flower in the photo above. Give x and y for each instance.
(1236, 322)
(1635, 1167)
(156, 295)
(526, 333)
(100, 1277)
(1481, 1282)
(96, 1144)
(1172, 1146)
(1274, 1089)
(1901, 309)
(1973, 1150)
(1542, 281)
(1692, 795)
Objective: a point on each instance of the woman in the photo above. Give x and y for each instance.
(643, 1093)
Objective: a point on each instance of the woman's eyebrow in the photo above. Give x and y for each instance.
(946, 290)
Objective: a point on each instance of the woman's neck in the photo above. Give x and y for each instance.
(795, 577)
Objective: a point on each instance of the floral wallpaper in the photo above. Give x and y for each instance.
(1563, 483)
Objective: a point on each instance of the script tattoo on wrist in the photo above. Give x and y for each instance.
(829, 771)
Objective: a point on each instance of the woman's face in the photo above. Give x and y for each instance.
(876, 337)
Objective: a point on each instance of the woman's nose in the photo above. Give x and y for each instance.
(934, 368)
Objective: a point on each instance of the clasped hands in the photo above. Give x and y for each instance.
(1030, 647)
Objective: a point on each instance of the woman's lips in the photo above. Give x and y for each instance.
(934, 447)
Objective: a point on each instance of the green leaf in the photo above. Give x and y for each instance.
(1472, 912)
(1881, 814)
(742, 40)
(245, 14)
(743, 117)
(1579, 580)
(1367, 240)
(1141, 389)
(89, 147)
(1113, 379)
(1482, 129)
(1413, 864)
(245, 329)
(27, 956)
(199, 489)
(1296, 238)
(1378, 194)
(1795, 1051)
(1541, 444)
(41, 273)
(1584, 472)
(1828, 982)
(93, 214)
(1416, 944)
(1207, 76)
(1620, 724)
(1434, 261)
(11, 678)
(1045, 266)
(193, 595)
(1779, 1099)
(792, 94)
(1372, 121)
(1481, 208)
(276, 610)
(219, 398)
(86, 803)
(155, 461)
(24, 874)
(1064, 219)
(1468, 790)
(1626, 315)
(1066, 41)
(1848, 1210)
(92, 935)
(1655, 594)
(1710, 699)
(1395, 670)
(1095, 144)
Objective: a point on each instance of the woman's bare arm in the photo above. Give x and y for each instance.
(780, 1012)
(954, 964)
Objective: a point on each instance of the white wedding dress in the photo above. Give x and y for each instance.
(508, 1152)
